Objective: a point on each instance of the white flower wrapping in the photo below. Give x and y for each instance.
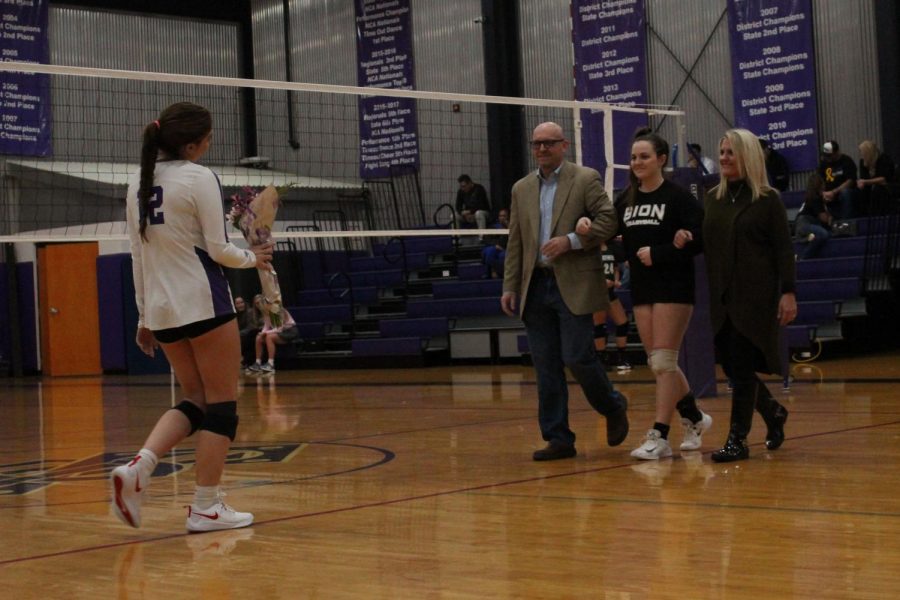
(255, 217)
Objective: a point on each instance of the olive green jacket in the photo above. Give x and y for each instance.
(750, 264)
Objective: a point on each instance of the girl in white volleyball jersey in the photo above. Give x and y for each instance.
(178, 244)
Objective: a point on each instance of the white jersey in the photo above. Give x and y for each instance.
(178, 277)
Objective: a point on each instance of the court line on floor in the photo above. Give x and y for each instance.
(394, 501)
(615, 378)
(693, 504)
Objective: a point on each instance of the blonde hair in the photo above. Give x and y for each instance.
(751, 163)
(869, 153)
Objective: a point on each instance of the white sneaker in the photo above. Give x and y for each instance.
(693, 431)
(653, 448)
(216, 517)
(267, 368)
(128, 488)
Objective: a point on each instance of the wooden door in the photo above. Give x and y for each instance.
(70, 324)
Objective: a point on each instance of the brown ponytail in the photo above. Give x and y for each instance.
(178, 125)
(149, 150)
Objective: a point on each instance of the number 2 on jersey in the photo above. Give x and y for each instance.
(157, 217)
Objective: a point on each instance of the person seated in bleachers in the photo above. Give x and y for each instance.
(876, 172)
(776, 167)
(271, 336)
(838, 172)
(494, 251)
(249, 322)
(696, 160)
(472, 204)
(813, 223)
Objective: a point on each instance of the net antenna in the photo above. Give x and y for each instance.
(377, 176)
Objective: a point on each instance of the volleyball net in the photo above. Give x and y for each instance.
(360, 162)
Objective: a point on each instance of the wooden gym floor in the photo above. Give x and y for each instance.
(420, 484)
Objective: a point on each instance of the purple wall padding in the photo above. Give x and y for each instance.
(27, 318)
(698, 358)
(110, 274)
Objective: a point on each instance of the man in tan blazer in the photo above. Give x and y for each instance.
(555, 279)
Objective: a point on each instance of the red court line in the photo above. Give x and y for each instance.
(406, 499)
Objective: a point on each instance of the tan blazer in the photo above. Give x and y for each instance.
(579, 273)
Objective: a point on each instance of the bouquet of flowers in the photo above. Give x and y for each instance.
(253, 213)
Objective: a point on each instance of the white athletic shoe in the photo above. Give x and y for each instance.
(653, 448)
(267, 368)
(128, 488)
(216, 517)
(693, 432)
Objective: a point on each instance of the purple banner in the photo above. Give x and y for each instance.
(24, 98)
(388, 136)
(610, 66)
(774, 75)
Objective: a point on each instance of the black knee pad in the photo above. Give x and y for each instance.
(193, 413)
(221, 418)
(600, 332)
(622, 330)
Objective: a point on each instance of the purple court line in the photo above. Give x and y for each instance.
(380, 503)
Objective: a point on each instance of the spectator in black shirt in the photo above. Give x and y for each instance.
(839, 176)
(776, 167)
(472, 204)
(876, 171)
(813, 223)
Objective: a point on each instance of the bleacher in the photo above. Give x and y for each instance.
(435, 305)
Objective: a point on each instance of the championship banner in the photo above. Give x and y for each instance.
(24, 98)
(774, 76)
(609, 39)
(388, 136)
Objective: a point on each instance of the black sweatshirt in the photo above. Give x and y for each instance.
(653, 221)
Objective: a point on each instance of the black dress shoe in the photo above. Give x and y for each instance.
(775, 428)
(735, 449)
(554, 452)
(617, 425)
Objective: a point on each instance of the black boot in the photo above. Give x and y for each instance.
(775, 427)
(743, 399)
(774, 414)
(735, 449)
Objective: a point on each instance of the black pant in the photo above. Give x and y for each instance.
(741, 360)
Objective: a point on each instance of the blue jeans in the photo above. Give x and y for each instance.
(811, 225)
(493, 259)
(558, 339)
(842, 206)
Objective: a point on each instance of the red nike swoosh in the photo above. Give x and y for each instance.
(212, 517)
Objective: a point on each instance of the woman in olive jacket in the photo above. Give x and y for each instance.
(750, 263)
